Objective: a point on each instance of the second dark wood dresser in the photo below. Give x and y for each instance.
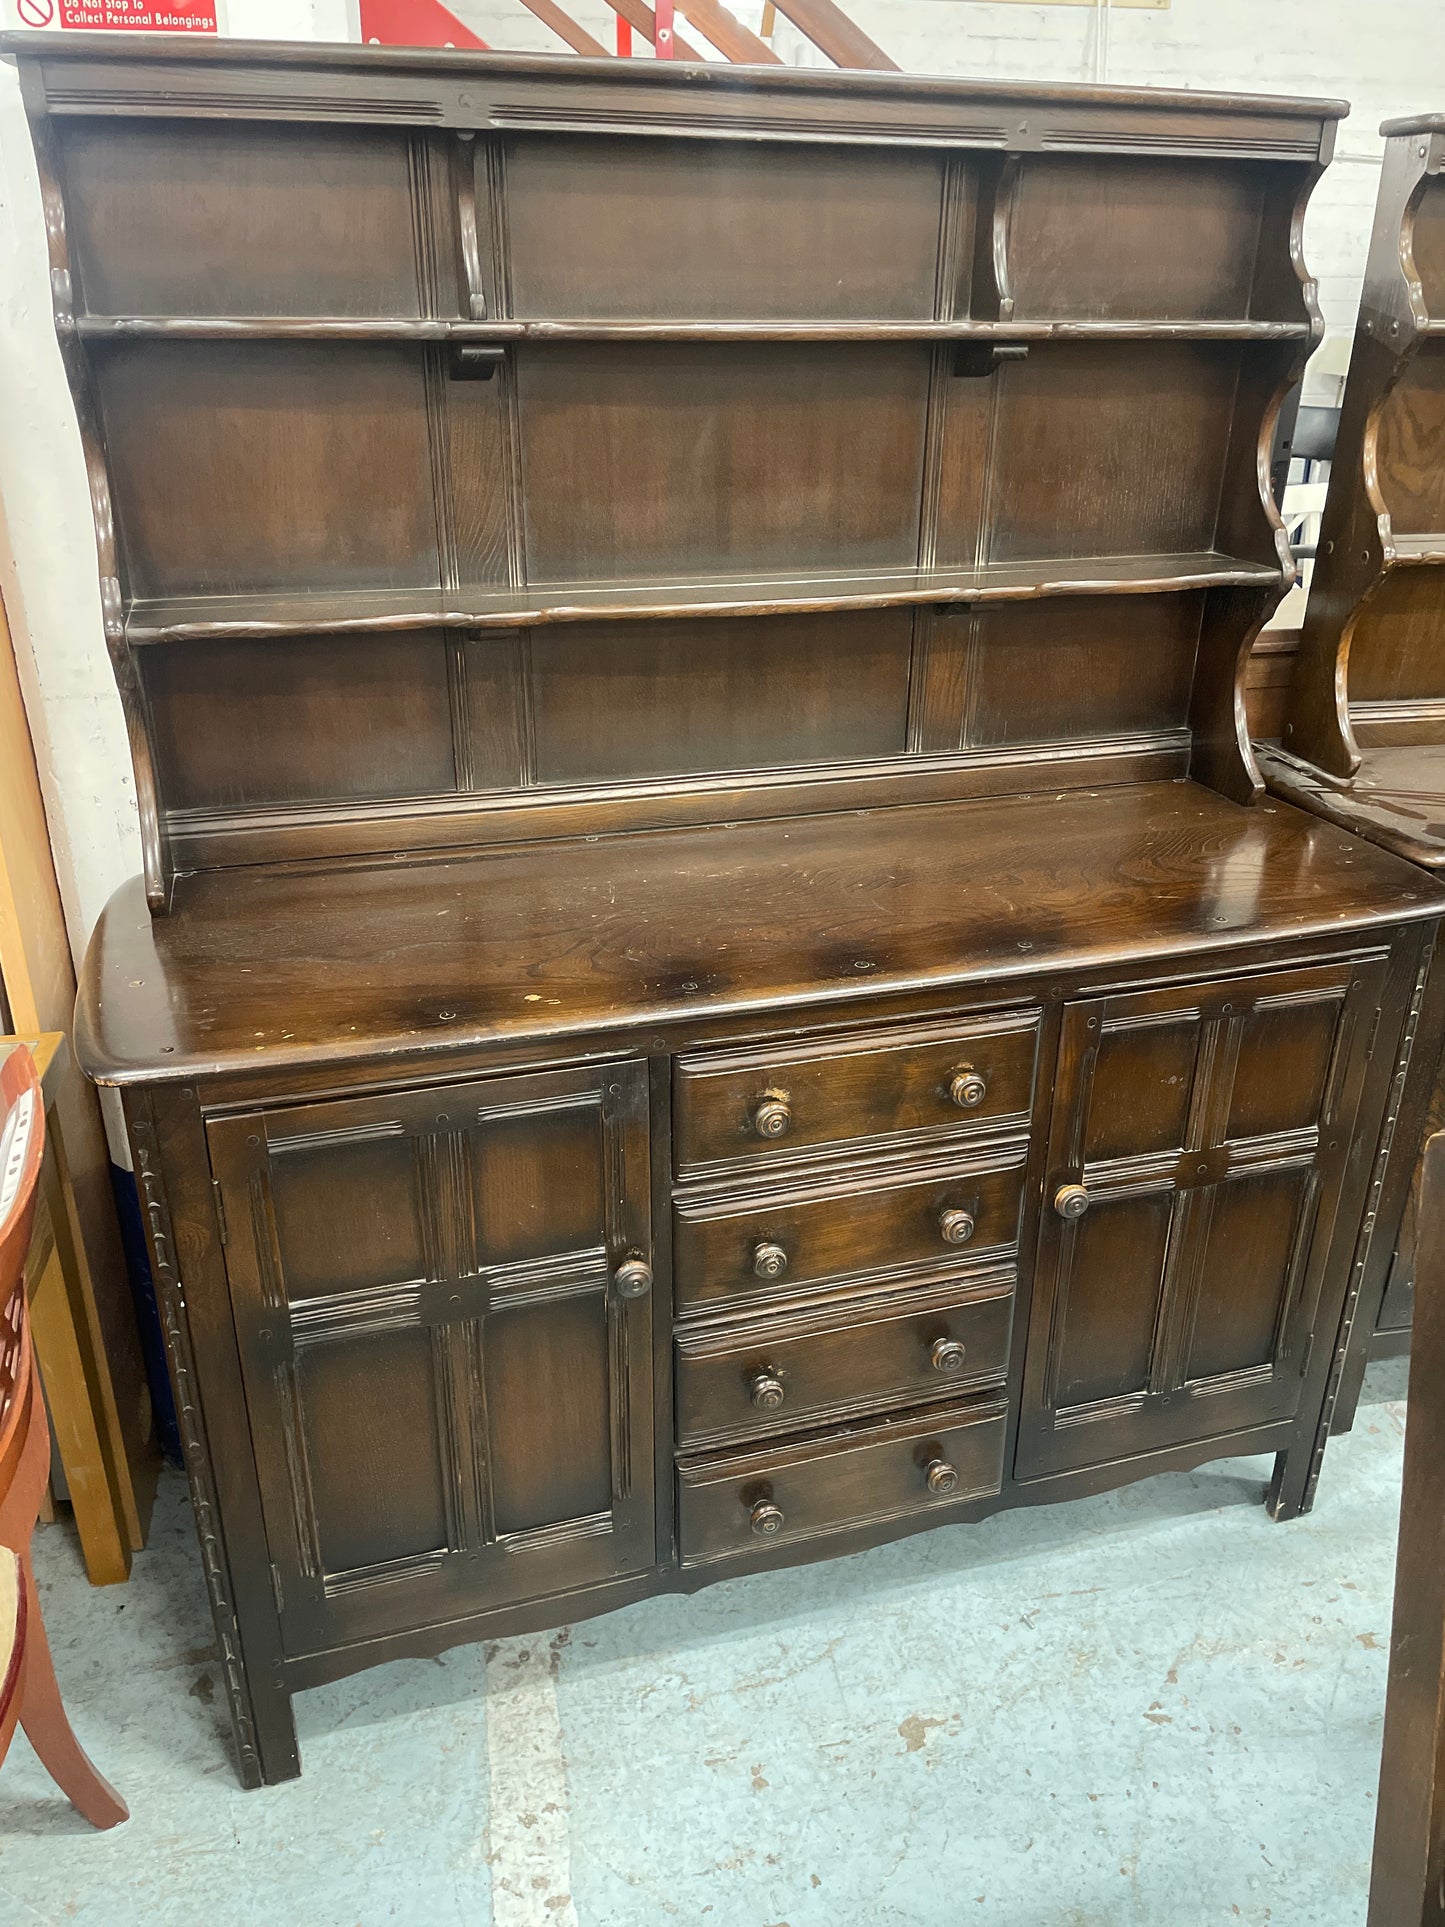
(713, 983)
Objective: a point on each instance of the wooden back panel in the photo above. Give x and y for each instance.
(513, 461)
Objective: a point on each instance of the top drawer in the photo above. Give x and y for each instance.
(915, 1081)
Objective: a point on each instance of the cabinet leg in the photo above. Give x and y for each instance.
(1291, 1490)
(265, 1741)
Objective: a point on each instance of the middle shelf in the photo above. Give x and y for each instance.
(341, 611)
(415, 481)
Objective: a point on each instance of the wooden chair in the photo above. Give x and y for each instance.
(29, 1695)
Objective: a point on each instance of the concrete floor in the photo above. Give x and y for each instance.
(1155, 1709)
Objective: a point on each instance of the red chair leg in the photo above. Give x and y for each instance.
(48, 1729)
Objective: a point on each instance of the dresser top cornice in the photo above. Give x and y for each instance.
(91, 74)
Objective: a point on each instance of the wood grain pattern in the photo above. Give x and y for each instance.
(688, 230)
(696, 923)
(739, 459)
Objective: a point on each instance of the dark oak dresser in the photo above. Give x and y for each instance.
(714, 982)
(1363, 742)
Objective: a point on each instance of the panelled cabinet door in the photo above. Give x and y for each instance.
(1196, 1152)
(443, 1301)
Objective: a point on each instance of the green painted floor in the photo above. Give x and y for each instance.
(1155, 1709)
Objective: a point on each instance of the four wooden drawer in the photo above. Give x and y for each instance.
(775, 1374)
(885, 1217)
(915, 1080)
(738, 1506)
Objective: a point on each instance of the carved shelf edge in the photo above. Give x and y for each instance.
(426, 329)
(181, 618)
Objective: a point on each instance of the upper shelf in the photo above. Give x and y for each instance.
(400, 328)
(330, 233)
(320, 612)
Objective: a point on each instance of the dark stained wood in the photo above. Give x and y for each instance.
(911, 1217)
(290, 220)
(704, 696)
(855, 483)
(1409, 1856)
(1092, 239)
(799, 1368)
(1183, 1237)
(711, 231)
(969, 1077)
(452, 1384)
(733, 1507)
(1362, 734)
(676, 928)
(739, 458)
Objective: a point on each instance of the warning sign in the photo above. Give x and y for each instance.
(141, 16)
(133, 16)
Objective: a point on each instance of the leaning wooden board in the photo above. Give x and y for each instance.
(713, 983)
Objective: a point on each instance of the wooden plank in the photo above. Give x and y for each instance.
(640, 16)
(78, 1391)
(563, 25)
(731, 38)
(39, 980)
(1405, 1882)
(833, 33)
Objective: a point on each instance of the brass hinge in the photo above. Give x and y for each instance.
(276, 1587)
(220, 1209)
(1307, 1355)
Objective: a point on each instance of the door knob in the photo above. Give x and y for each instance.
(948, 1354)
(765, 1389)
(967, 1088)
(634, 1278)
(766, 1519)
(769, 1259)
(1071, 1200)
(956, 1226)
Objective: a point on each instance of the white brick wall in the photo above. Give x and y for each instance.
(1387, 59)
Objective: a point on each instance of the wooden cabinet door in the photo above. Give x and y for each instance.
(1200, 1135)
(450, 1387)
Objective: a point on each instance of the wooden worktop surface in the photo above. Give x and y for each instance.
(408, 958)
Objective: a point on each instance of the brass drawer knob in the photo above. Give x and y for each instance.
(766, 1519)
(773, 1115)
(769, 1259)
(956, 1226)
(634, 1278)
(1071, 1201)
(766, 1389)
(967, 1088)
(948, 1354)
(940, 1476)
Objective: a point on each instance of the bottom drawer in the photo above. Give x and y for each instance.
(738, 1506)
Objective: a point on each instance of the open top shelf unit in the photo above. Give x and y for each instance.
(523, 446)
(1371, 672)
(1363, 741)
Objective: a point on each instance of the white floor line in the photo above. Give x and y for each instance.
(530, 1822)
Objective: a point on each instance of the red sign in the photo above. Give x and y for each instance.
(413, 23)
(140, 16)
